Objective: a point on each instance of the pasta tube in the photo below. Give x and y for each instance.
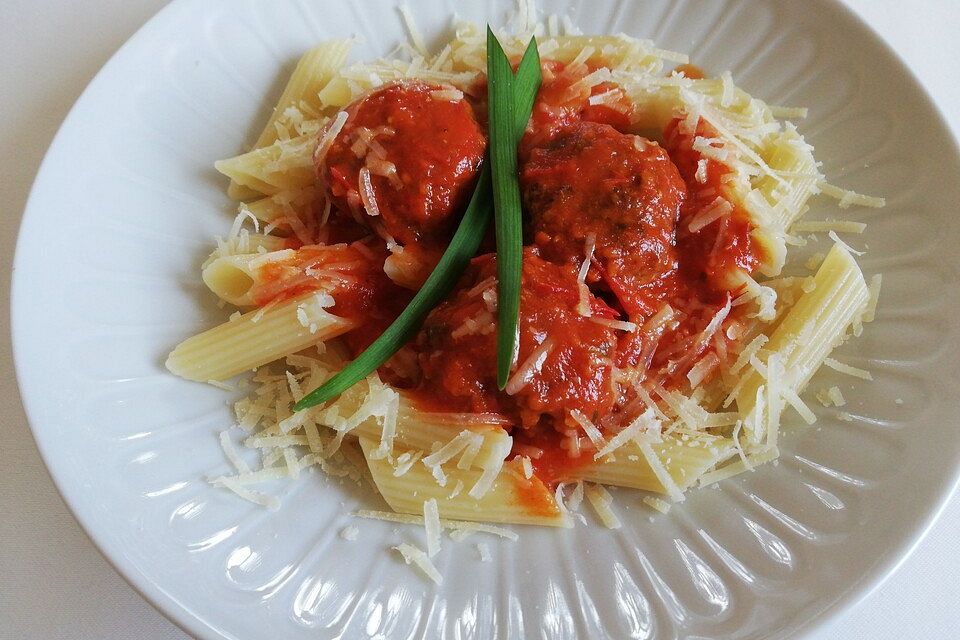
(254, 339)
(511, 499)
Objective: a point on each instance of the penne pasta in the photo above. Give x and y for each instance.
(301, 94)
(621, 363)
(252, 340)
(283, 165)
(685, 458)
(419, 430)
(511, 499)
(312, 73)
(805, 336)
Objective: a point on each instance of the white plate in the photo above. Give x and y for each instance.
(106, 281)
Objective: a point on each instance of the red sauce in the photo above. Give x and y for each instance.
(435, 145)
(583, 175)
(460, 365)
(552, 462)
(534, 495)
(691, 71)
(563, 102)
(717, 250)
(351, 273)
(623, 190)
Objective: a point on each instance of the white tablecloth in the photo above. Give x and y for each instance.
(53, 582)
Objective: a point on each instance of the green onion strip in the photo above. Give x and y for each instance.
(517, 98)
(442, 279)
(510, 99)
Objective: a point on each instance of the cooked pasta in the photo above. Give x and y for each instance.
(656, 356)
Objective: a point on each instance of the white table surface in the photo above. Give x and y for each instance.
(53, 582)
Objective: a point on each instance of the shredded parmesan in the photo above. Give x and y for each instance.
(646, 422)
(701, 173)
(415, 37)
(874, 292)
(367, 195)
(455, 525)
(529, 368)
(600, 499)
(799, 405)
(431, 523)
(656, 503)
(848, 198)
(740, 466)
(589, 428)
(714, 211)
(231, 452)
(527, 467)
(262, 499)
(415, 556)
(336, 125)
(447, 95)
(621, 325)
(847, 369)
(484, 550)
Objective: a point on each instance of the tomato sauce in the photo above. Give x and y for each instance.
(568, 357)
(621, 190)
(586, 178)
(423, 156)
(351, 273)
(720, 248)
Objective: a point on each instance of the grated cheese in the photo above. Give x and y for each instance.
(349, 533)
(490, 472)
(231, 452)
(873, 291)
(415, 556)
(646, 422)
(621, 325)
(484, 550)
(583, 304)
(856, 372)
(405, 462)
(416, 39)
(431, 523)
(336, 125)
(717, 209)
(589, 428)
(656, 503)
(458, 444)
(262, 499)
(447, 95)
(367, 195)
(529, 368)
(701, 173)
(527, 467)
(799, 405)
(740, 466)
(600, 499)
(455, 525)
(848, 198)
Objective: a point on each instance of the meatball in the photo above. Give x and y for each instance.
(408, 154)
(623, 191)
(567, 356)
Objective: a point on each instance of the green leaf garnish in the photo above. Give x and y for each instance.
(516, 96)
(442, 279)
(510, 100)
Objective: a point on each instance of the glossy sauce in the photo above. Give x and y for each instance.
(584, 174)
(436, 146)
(460, 365)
